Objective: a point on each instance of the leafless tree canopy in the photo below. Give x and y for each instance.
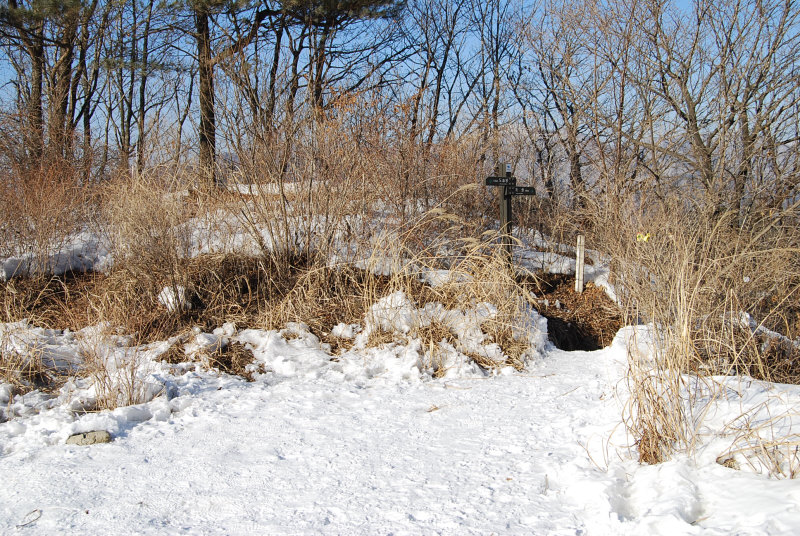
(590, 100)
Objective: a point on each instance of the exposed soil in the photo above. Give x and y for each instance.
(585, 321)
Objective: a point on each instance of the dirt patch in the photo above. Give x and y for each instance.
(233, 358)
(585, 321)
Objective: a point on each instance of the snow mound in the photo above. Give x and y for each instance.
(83, 252)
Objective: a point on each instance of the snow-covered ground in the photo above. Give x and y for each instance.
(366, 443)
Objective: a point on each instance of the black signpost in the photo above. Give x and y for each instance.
(509, 188)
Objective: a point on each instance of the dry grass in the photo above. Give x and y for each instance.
(327, 295)
(324, 296)
(116, 372)
(176, 353)
(55, 302)
(217, 288)
(26, 369)
(482, 276)
(432, 337)
(478, 275)
(142, 218)
(153, 253)
(695, 279)
(231, 357)
(764, 442)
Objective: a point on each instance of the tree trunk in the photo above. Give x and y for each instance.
(60, 135)
(35, 114)
(207, 120)
(142, 114)
(273, 75)
(319, 68)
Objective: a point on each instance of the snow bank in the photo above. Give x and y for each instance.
(83, 252)
(120, 373)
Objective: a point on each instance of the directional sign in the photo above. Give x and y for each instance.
(501, 181)
(521, 190)
(508, 183)
(510, 188)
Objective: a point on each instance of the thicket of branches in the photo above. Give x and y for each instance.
(611, 110)
(590, 100)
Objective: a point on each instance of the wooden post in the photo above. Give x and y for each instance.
(509, 189)
(579, 265)
(506, 227)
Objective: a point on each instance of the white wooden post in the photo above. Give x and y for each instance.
(579, 265)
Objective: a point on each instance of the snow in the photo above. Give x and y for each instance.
(174, 298)
(317, 453)
(82, 252)
(368, 442)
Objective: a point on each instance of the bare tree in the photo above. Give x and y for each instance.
(61, 42)
(493, 22)
(727, 76)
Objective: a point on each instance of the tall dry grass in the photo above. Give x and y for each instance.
(142, 219)
(473, 273)
(714, 292)
(22, 365)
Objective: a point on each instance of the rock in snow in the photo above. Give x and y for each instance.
(89, 438)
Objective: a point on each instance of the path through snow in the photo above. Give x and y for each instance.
(503, 454)
(511, 454)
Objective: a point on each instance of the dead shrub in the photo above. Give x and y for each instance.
(42, 208)
(157, 272)
(142, 219)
